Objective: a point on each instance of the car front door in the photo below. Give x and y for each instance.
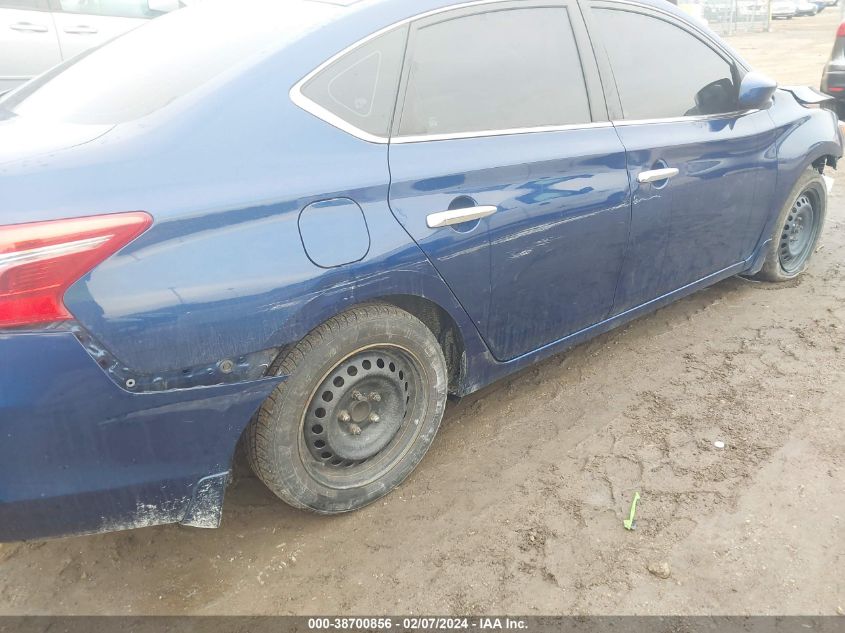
(84, 24)
(698, 167)
(506, 171)
(28, 42)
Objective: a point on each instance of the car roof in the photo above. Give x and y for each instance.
(373, 15)
(404, 8)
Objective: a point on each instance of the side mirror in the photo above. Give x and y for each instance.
(163, 6)
(755, 91)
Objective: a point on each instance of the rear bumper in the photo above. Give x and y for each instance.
(78, 454)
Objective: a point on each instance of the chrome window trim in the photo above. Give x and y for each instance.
(330, 117)
(682, 119)
(418, 138)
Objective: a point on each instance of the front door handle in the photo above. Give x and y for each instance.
(81, 30)
(458, 216)
(27, 26)
(656, 175)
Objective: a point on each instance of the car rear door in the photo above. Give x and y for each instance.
(83, 24)
(507, 172)
(28, 41)
(700, 170)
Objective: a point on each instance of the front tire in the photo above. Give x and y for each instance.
(797, 231)
(363, 401)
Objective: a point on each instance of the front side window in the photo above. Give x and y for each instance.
(661, 70)
(360, 87)
(112, 8)
(500, 70)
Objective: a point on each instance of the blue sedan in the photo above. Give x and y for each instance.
(302, 226)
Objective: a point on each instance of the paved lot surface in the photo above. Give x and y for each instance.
(518, 508)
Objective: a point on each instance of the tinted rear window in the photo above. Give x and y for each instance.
(164, 60)
(497, 70)
(360, 87)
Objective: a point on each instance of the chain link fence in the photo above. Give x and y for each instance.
(727, 17)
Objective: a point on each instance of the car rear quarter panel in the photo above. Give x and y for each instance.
(227, 274)
(223, 271)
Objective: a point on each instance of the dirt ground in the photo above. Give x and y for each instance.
(518, 508)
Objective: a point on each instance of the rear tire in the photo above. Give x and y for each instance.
(797, 230)
(363, 401)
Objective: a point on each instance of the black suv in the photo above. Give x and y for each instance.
(833, 79)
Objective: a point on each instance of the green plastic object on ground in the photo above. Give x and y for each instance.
(629, 522)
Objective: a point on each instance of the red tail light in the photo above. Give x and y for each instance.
(39, 261)
(840, 32)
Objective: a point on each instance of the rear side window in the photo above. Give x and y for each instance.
(112, 8)
(500, 70)
(360, 87)
(662, 71)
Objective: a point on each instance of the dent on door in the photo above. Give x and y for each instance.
(698, 222)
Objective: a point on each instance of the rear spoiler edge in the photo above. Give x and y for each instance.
(805, 95)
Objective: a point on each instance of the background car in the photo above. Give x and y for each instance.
(751, 8)
(833, 78)
(805, 8)
(38, 34)
(784, 9)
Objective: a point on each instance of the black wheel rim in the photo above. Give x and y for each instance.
(799, 233)
(363, 416)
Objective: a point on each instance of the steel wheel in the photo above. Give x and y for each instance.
(361, 403)
(797, 229)
(799, 233)
(360, 419)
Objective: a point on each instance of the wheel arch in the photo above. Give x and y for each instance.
(416, 289)
(433, 315)
(816, 163)
(825, 160)
(444, 328)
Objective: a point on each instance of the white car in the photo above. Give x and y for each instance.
(35, 35)
(805, 7)
(784, 9)
(751, 8)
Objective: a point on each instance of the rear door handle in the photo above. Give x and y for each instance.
(81, 30)
(458, 216)
(27, 26)
(656, 175)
